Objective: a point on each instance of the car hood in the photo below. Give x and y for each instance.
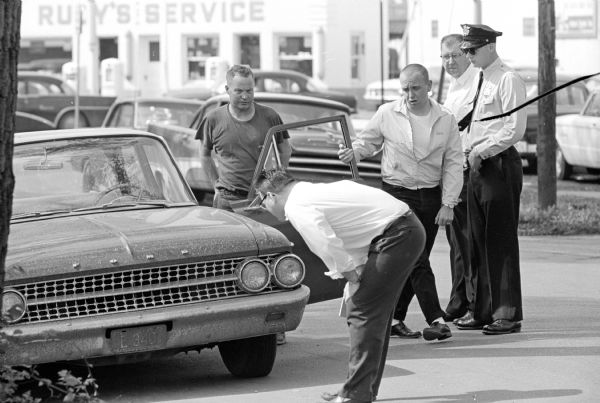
(109, 240)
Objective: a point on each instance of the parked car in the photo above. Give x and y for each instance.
(26, 122)
(51, 98)
(280, 81)
(568, 100)
(137, 113)
(111, 260)
(292, 108)
(578, 138)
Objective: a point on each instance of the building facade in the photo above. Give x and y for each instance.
(164, 45)
(577, 31)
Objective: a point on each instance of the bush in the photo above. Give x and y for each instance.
(572, 215)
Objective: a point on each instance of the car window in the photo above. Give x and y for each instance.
(578, 95)
(123, 116)
(272, 85)
(85, 173)
(593, 108)
(167, 113)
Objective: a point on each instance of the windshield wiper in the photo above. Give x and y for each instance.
(38, 214)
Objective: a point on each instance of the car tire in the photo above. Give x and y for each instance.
(250, 358)
(68, 121)
(563, 168)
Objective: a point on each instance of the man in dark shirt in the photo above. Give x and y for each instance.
(236, 133)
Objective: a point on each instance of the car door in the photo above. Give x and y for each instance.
(587, 133)
(320, 167)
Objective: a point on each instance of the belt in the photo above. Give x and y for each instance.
(235, 192)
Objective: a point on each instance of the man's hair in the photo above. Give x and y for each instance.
(415, 67)
(241, 70)
(451, 39)
(274, 180)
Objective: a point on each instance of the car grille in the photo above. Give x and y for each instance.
(133, 290)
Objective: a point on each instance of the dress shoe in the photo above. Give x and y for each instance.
(466, 316)
(439, 331)
(502, 326)
(402, 331)
(451, 316)
(468, 322)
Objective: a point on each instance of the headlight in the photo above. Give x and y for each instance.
(288, 271)
(253, 275)
(14, 306)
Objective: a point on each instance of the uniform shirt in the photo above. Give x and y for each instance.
(339, 220)
(237, 144)
(461, 93)
(389, 130)
(502, 90)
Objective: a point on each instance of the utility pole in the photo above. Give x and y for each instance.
(546, 129)
(477, 12)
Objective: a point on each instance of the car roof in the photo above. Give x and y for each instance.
(160, 100)
(280, 73)
(65, 134)
(286, 97)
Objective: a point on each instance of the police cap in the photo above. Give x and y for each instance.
(477, 35)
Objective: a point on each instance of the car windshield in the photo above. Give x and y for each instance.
(316, 85)
(86, 173)
(179, 114)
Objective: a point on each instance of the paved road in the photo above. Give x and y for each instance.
(555, 359)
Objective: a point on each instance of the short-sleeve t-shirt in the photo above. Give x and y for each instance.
(237, 144)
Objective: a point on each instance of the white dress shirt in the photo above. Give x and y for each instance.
(502, 90)
(339, 220)
(461, 93)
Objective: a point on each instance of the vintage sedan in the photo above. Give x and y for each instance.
(138, 113)
(578, 138)
(276, 81)
(568, 100)
(51, 98)
(291, 108)
(111, 260)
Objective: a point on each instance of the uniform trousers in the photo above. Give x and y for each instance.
(426, 204)
(392, 256)
(462, 294)
(493, 206)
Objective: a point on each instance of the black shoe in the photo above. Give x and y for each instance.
(502, 326)
(466, 316)
(468, 322)
(451, 317)
(400, 330)
(437, 331)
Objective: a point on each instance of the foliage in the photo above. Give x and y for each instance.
(572, 215)
(16, 386)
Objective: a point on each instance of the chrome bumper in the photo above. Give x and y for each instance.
(188, 326)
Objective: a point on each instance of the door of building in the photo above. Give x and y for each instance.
(250, 50)
(149, 78)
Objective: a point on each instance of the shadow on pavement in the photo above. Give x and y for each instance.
(490, 396)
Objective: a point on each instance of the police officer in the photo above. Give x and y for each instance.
(494, 187)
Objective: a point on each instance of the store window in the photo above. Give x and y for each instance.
(529, 27)
(295, 53)
(357, 55)
(199, 49)
(434, 28)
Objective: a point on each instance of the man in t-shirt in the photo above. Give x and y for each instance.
(236, 133)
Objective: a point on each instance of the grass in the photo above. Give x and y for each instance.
(572, 215)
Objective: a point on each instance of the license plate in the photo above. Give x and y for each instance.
(134, 339)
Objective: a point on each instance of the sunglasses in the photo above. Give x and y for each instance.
(472, 51)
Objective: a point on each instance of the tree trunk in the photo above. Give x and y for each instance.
(546, 137)
(10, 27)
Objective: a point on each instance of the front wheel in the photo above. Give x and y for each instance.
(563, 168)
(250, 358)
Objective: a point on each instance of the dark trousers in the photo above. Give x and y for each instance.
(493, 206)
(392, 257)
(426, 204)
(462, 294)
